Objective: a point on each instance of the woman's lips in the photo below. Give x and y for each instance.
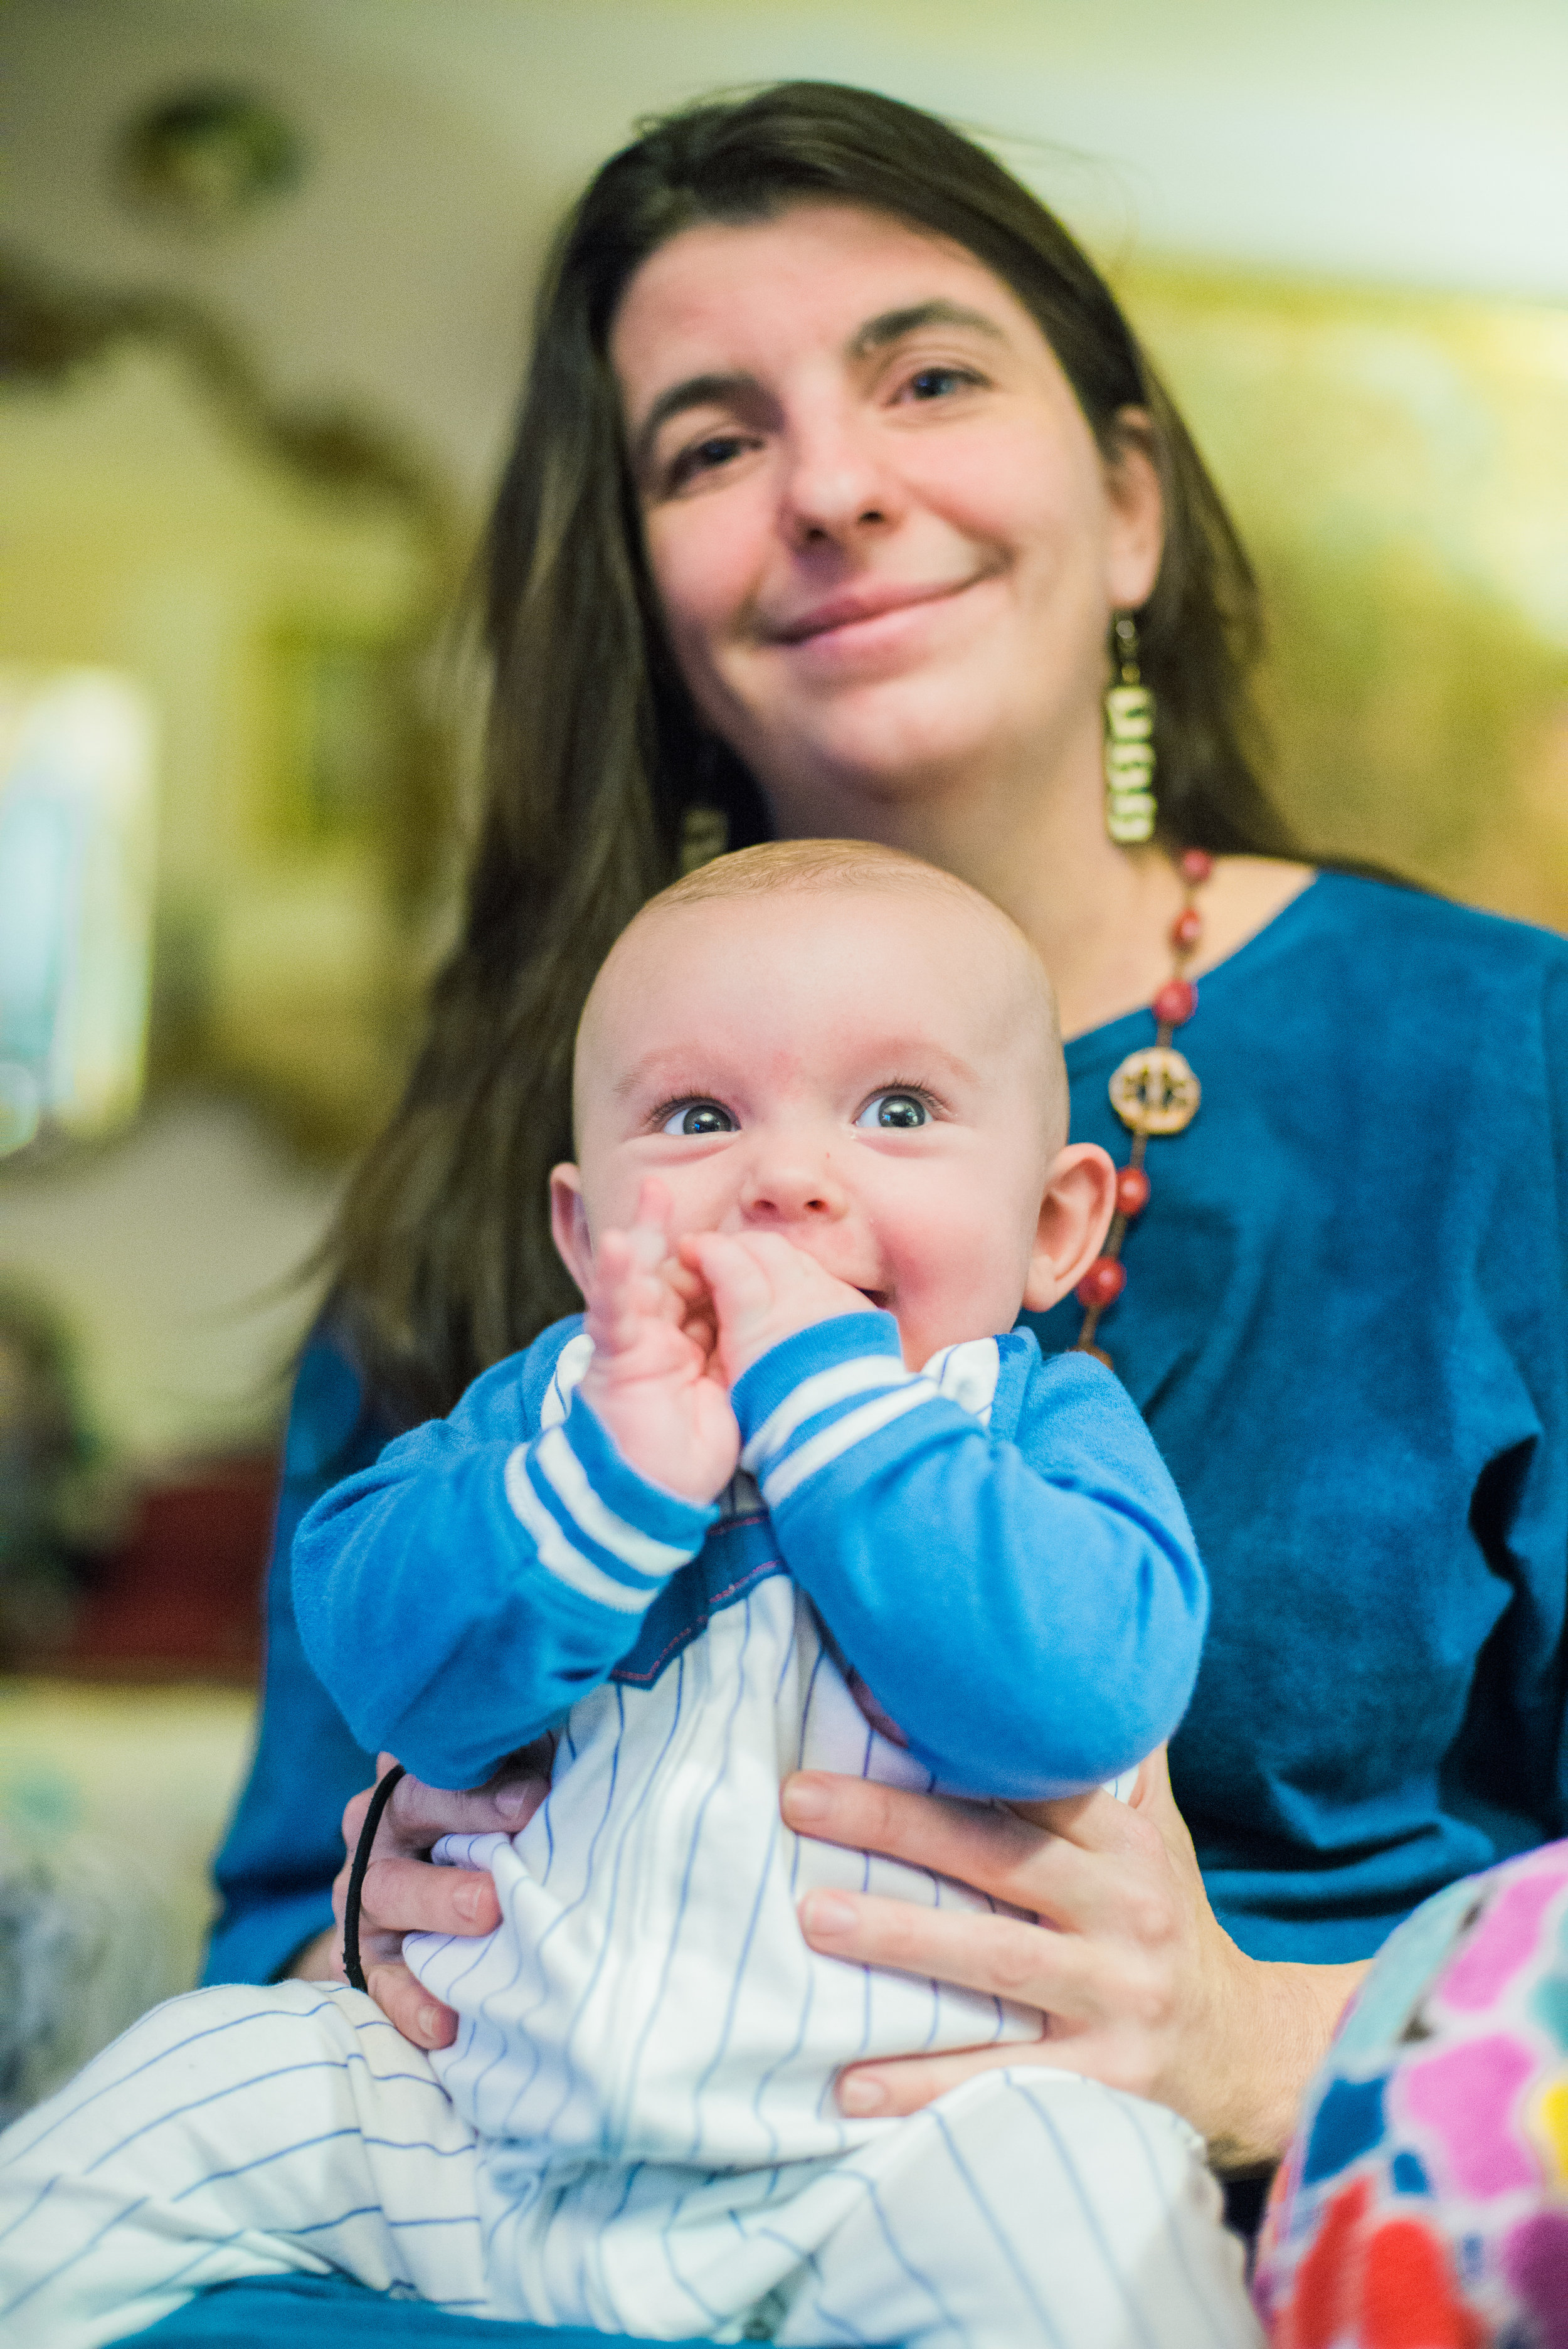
(857, 606)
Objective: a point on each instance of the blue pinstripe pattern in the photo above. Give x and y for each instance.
(685, 1896)
(60, 2109)
(1211, 2316)
(1093, 2228)
(1009, 2251)
(896, 2251)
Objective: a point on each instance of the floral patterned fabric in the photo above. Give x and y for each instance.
(1424, 2203)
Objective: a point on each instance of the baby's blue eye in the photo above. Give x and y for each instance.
(897, 1110)
(699, 1117)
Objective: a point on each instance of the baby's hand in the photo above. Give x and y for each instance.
(654, 1380)
(764, 1288)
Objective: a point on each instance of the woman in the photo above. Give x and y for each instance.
(838, 473)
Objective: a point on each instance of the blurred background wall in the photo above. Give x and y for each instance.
(262, 306)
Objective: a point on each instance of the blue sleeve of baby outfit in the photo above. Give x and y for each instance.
(457, 1598)
(1025, 1600)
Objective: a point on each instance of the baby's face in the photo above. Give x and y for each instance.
(871, 1073)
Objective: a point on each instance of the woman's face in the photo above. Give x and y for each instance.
(886, 545)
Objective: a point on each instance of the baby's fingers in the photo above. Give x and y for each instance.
(625, 1296)
(650, 1228)
(729, 1270)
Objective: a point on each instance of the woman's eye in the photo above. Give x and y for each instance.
(937, 382)
(706, 457)
(898, 1112)
(699, 1117)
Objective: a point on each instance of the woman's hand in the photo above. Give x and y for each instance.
(404, 1893)
(1139, 1986)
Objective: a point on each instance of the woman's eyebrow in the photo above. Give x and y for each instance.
(696, 391)
(892, 325)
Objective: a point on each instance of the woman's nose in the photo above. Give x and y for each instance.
(792, 1187)
(837, 485)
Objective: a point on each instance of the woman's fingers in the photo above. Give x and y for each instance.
(888, 2090)
(409, 1896)
(417, 1815)
(403, 1892)
(408, 2006)
(1049, 1872)
(1002, 1956)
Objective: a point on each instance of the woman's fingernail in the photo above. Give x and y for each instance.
(468, 1900)
(804, 1799)
(824, 1912)
(513, 1800)
(858, 2096)
(430, 2021)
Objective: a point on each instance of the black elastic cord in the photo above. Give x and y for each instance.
(362, 1849)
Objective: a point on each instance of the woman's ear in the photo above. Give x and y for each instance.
(569, 1224)
(1136, 540)
(1075, 1215)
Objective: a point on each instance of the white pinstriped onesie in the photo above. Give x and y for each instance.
(637, 2129)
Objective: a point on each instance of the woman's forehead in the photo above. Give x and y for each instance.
(817, 271)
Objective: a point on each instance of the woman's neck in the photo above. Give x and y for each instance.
(1098, 916)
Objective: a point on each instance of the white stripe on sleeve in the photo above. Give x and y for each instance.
(560, 1465)
(556, 1553)
(832, 1442)
(819, 1393)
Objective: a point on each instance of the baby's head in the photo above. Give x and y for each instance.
(838, 1042)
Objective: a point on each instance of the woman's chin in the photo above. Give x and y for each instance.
(880, 756)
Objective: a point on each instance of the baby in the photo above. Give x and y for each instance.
(793, 1493)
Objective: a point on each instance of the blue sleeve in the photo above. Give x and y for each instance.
(1029, 1612)
(274, 1871)
(458, 1598)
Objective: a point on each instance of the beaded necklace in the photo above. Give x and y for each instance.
(1152, 1092)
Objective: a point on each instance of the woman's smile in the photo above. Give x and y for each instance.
(855, 610)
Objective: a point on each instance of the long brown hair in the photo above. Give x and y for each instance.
(442, 1256)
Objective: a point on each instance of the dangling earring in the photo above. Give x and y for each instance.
(1129, 743)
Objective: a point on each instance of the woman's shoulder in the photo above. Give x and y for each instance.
(1387, 918)
(526, 1391)
(331, 1417)
(1356, 956)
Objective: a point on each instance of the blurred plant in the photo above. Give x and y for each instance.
(207, 156)
(58, 1506)
(84, 1950)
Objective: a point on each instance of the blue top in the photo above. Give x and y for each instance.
(1019, 1588)
(1345, 1325)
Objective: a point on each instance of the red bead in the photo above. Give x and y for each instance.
(1196, 865)
(1103, 1283)
(1132, 1191)
(1187, 929)
(1175, 1003)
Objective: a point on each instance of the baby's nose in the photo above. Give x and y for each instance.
(793, 1188)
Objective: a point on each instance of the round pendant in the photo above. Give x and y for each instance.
(1155, 1092)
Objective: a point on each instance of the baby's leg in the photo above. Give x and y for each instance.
(236, 2132)
(1028, 2207)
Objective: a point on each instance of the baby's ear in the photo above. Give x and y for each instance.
(1075, 1215)
(569, 1224)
